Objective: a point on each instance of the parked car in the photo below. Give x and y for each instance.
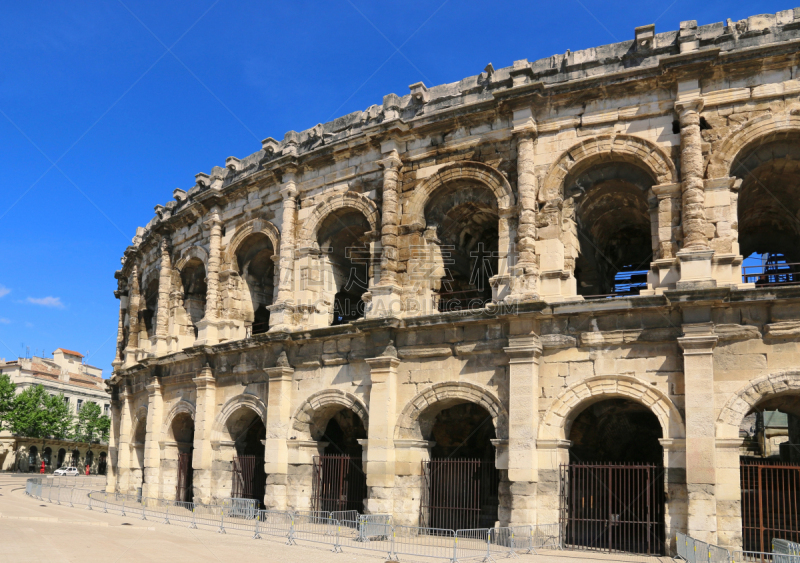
(73, 471)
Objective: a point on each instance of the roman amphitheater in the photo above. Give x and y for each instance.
(562, 290)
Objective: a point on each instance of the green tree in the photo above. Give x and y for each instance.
(35, 414)
(59, 422)
(7, 392)
(91, 425)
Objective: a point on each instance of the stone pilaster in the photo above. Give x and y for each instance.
(164, 286)
(202, 455)
(695, 256)
(281, 312)
(380, 462)
(123, 310)
(207, 328)
(523, 354)
(123, 459)
(728, 493)
(152, 449)
(698, 371)
(276, 450)
(525, 273)
(113, 446)
(133, 320)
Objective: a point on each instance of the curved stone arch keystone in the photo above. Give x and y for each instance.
(193, 252)
(243, 231)
(444, 395)
(344, 200)
(555, 424)
(743, 401)
(470, 171)
(320, 406)
(627, 148)
(181, 407)
(255, 404)
(765, 126)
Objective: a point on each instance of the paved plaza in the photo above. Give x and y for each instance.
(32, 530)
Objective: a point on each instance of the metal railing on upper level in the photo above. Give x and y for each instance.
(787, 273)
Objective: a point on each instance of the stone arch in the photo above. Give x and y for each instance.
(557, 420)
(181, 407)
(319, 407)
(193, 252)
(772, 385)
(351, 200)
(477, 172)
(411, 420)
(139, 417)
(243, 231)
(764, 127)
(230, 407)
(626, 148)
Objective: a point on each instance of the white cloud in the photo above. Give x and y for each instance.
(46, 301)
(4, 321)
(4, 290)
(28, 324)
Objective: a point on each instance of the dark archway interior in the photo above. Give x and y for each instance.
(467, 228)
(342, 433)
(139, 436)
(193, 278)
(463, 431)
(257, 269)
(613, 223)
(768, 207)
(62, 454)
(147, 315)
(772, 429)
(344, 242)
(616, 431)
(248, 433)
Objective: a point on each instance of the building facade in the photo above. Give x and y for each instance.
(80, 383)
(481, 287)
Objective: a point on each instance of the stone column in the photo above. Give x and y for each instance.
(380, 466)
(202, 454)
(695, 256)
(698, 372)
(112, 473)
(123, 309)
(152, 449)
(276, 451)
(523, 353)
(386, 296)
(123, 459)
(676, 510)
(207, 329)
(281, 312)
(728, 493)
(133, 320)
(525, 282)
(164, 286)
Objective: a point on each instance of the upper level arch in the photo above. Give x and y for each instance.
(333, 203)
(246, 229)
(603, 148)
(464, 171)
(556, 423)
(193, 252)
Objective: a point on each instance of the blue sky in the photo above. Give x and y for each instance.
(107, 107)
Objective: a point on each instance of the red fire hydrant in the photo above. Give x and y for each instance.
(87, 468)
(41, 469)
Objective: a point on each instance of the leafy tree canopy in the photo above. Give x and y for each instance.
(7, 392)
(91, 425)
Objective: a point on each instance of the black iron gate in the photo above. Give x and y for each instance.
(770, 503)
(339, 483)
(459, 494)
(613, 507)
(183, 492)
(249, 478)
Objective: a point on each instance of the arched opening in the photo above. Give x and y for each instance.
(770, 472)
(147, 314)
(102, 464)
(137, 456)
(461, 480)
(33, 454)
(613, 488)
(193, 279)
(76, 459)
(768, 207)
(344, 244)
(339, 480)
(89, 459)
(182, 433)
(612, 222)
(248, 433)
(464, 216)
(48, 456)
(257, 270)
(62, 453)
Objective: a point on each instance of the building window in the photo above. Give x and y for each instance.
(66, 400)
(80, 404)
(105, 409)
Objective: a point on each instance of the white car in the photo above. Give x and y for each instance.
(66, 471)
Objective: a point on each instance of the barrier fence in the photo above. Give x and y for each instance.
(336, 530)
(695, 551)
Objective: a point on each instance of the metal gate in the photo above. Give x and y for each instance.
(459, 494)
(339, 483)
(613, 507)
(248, 478)
(183, 492)
(770, 503)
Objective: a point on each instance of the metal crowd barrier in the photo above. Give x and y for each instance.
(695, 551)
(760, 557)
(366, 532)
